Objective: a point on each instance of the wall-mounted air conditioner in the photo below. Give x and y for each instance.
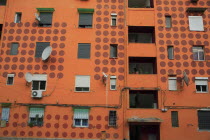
(36, 94)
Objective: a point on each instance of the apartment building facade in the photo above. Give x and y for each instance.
(104, 69)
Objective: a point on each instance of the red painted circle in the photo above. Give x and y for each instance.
(65, 125)
(73, 134)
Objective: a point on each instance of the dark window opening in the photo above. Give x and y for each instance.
(143, 99)
(174, 119)
(40, 46)
(204, 120)
(3, 2)
(141, 34)
(45, 19)
(39, 85)
(144, 132)
(112, 118)
(113, 50)
(10, 80)
(85, 20)
(1, 27)
(140, 4)
(82, 89)
(142, 65)
(18, 17)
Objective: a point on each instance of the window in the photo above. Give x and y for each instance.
(172, 83)
(204, 120)
(113, 19)
(39, 82)
(84, 50)
(113, 83)
(18, 17)
(14, 49)
(82, 83)
(168, 21)
(10, 79)
(40, 46)
(198, 53)
(45, 19)
(36, 116)
(196, 23)
(201, 84)
(174, 119)
(85, 17)
(3, 2)
(112, 118)
(81, 117)
(113, 50)
(5, 114)
(170, 52)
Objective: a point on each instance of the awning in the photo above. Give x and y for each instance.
(195, 9)
(84, 10)
(45, 9)
(145, 120)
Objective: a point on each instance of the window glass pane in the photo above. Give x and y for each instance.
(42, 85)
(77, 122)
(40, 46)
(10, 80)
(168, 21)
(198, 88)
(204, 88)
(113, 51)
(35, 85)
(174, 119)
(170, 52)
(14, 49)
(3, 2)
(84, 122)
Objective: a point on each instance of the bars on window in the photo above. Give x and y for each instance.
(112, 118)
(174, 119)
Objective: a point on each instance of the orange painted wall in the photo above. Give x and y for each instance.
(63, 65)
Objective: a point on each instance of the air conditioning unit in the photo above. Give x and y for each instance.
(36, 94)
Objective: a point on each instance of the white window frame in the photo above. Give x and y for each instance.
(113, 79)
(16, 14)
(197, 51)
(10, 75)
(113, 17)
(78, 83)
(199, 81)
(39, 78)
(82, 118)
(5, 117)
(172, 87)
(196, 23)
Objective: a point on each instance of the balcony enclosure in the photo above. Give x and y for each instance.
(142, 65)
(140, 4)
(143, 99)
(141, 34)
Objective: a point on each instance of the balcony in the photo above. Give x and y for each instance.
(142, 49)
(141, 16)
(141, 34)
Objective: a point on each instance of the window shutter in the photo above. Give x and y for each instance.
(14, 49)
(196, 23)
(82, 81)
(46, 18)
(36, 112)
(85, 19)
(40, 46)
(170, 52)
(204, 120)
(172, 83)
(81, 113)
(201, 82)
(83, 50)
(5, 114)
(174, 119)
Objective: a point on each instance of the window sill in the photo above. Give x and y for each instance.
(81, 91)
(113, 57)
(113, 89)
(201, 92)
(81, 126)
(198, 60)
(205, 130)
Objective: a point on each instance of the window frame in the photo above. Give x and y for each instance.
(76, 82)
(202, 110)
(45, 25)
(113, 50)
(174, 79)
(192, 24)
(168, 19)
(13, 78)
(85, 26)
(113, 17)
(79, 49)
(35, 122)
(39, 77)
(8, 115)
(16, 15)
(201, 79)
(172, 57)
(112, 123)
(201, 50)
(11, 47)
(38, 44)
(113, 78)
(175, 118)
(39, 85)
(81, 119)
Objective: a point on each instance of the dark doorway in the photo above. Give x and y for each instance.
(144, 132)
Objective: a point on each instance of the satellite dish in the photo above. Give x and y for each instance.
(46, 53)
(37, 17)
(28, 77)
(185, 78)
